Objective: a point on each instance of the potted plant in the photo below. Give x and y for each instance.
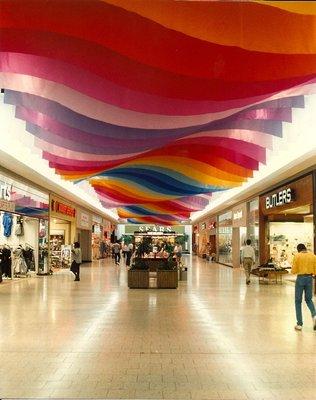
(127, 239)
(144, 247)
(167, 274)
(138, 275)
(182, 240)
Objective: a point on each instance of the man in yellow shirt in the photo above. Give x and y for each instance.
(304, 266)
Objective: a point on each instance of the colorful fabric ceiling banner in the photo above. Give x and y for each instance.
(157, 104)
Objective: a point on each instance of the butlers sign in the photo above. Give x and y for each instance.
(280, 198)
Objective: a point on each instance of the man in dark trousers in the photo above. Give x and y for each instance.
(77, 260)
(117, 253)
(304, 266)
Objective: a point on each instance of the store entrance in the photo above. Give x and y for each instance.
(84, 238)
(60, 249)
(286, 230)
(212, 241)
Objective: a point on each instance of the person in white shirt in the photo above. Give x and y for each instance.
(129, 253)
(178, 252)
(248, 258)
(76, 260)
(124, 250)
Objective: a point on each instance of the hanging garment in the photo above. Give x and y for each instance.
(5, 262)
(19, 228)
(28, 255)
(19, 264)
(7, 222)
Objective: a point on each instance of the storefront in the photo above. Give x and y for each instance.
(245, 223)
(107, 229)
(165, 233)
(225, 238)
(23, 228)
(203, 239)
(62, 232)
(239, 232)
(234, 228)
(286, 219)
(207, 243)
(212, 235)
(97, 236)
(84, 233)
(195, 239)
(253, 226)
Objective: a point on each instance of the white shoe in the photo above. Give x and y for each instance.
(298, 327)
(314, 323)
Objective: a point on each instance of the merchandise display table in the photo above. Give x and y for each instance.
(268, 276)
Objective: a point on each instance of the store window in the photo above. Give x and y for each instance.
(97, 236)
(253, 226)
(62, 231)
(60, 242)
(203, 239)
(286, 220)
(284, 238)
(225, 237)
(23, 229)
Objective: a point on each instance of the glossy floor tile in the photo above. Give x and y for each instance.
(212, 338)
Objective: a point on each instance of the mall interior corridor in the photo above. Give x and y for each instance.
(212, 338)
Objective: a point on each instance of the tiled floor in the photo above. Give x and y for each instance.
(212, 338)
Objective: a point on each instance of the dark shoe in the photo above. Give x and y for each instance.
(77, 279)
(247, 282)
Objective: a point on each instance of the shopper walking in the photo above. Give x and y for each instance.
(124, 250)
(129, 254)
(76, 260)
(304, 266)
(248, 258)
(178, 253)
(117, 253)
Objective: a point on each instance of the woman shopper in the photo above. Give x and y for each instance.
(76, 260)
(304, 266)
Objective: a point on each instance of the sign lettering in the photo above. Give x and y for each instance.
(281, 198)
(154, 228)
(63, 209)
(237, 215)
(8, 206)
(5, 192)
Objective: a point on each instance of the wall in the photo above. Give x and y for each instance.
(84, 237)
(84, 233)
(120, 230)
